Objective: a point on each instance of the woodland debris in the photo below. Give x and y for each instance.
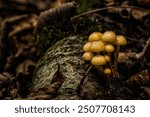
(10, 28)
(146, 90)
(140, 79)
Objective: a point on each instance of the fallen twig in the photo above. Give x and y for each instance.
(107, 8)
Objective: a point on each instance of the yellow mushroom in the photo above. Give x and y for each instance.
(86, 46)
(107, 71)
(120, 40)
(98, 60)
(87, 56)
(97, 46)
(107, 58)
(95, 36)
(109, 48)
(109, 37)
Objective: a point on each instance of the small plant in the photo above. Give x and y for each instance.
(99, 49)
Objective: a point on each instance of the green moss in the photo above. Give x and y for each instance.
(52, 34)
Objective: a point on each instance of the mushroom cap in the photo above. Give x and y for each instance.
(107, 71)
(109, 36)
(87, 56)
(97, 46)
(95, 36)
(121, 40)
(107, 58)
(98, 60)
(109, 48)
(86, 46)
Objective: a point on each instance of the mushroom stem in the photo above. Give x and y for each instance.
(99, 68)
(110, 63)
(116, 74)
(109, 81)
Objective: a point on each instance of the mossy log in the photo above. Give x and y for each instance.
(64, 61)
(60, 70)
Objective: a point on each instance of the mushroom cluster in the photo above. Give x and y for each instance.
(99, 49)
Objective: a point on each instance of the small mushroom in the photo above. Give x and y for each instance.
(97, 46)
(109, 48)
(120, 40)
(107, 71)
(86, 47)
(87, 56)
(98, 60)
(95, 36)
(109, 37)
(107, 58)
